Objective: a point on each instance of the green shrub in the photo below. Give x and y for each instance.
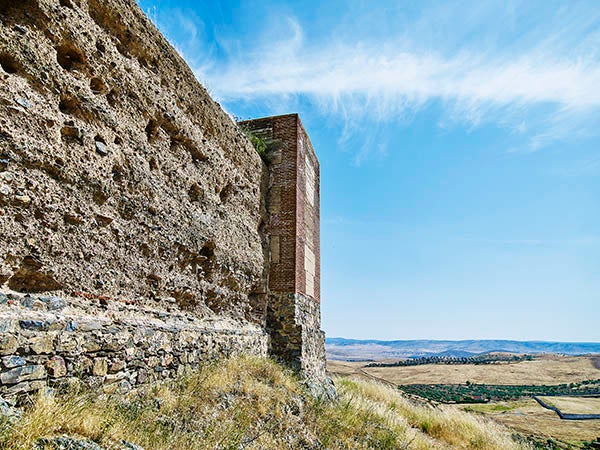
(263, 146)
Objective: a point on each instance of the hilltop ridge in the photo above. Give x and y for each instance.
(342, 348)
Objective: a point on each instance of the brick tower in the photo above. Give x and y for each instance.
(293, 307)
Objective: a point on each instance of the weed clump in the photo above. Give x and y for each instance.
(263, 146)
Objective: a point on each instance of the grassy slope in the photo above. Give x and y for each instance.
(524, 416)
(253, 403)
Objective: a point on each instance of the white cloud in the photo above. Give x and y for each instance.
(378, 72)
(384, 76)
(541, 82)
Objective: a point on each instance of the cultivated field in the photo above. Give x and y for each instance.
(525, 415)
(574, 405)
(547, 369)
(528, 417)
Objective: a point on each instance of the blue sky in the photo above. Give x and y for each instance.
(459, 146)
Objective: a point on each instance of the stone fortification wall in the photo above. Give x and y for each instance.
(135, 239)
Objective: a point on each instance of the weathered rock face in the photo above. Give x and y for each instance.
(119, 175)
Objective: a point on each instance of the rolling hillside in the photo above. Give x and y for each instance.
(354, 349)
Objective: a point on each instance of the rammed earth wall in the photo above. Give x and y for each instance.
(140, 232)
(119, 175)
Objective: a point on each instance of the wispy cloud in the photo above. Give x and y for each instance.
(576, 241)
(512, 66)
(388, 78)
(545, 89)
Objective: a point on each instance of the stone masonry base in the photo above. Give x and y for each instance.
(294, 323)
(111, 346)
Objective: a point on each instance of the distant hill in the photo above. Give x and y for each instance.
(355, 349)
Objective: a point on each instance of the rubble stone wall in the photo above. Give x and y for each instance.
(294, 324)
(52, 341)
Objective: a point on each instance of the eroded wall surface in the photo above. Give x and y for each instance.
(119, 175)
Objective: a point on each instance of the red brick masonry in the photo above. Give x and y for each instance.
(293, 205)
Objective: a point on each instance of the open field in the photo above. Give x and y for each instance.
(528, 417)
(524, 415)
(574, 405)
(547, 369)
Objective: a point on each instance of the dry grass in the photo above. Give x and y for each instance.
(451, 426)
(550, 369)
(253, 403)
(524, 416)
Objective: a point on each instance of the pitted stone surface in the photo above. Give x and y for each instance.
(119, 175)
(133, 211)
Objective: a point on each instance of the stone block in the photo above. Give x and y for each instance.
(24, 387)
(35, 325)
(13, 361)
(68, 343)
(23, 373)
(56, 367)
(41, 344)
(91, 343)
(8, 344)
(7, 325)
(100, 367)
(82, 365)
(113, 377)
(117, 366)
(90, 325)
(115, 342)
